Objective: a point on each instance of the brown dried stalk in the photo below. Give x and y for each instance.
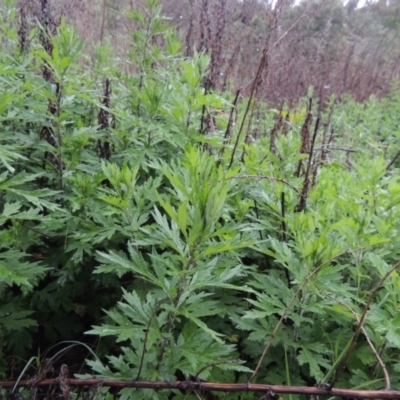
(212, 386)
(23, 31)
(289, 306)
(378, 357)
(270, 178)
(393, 161)
(216, 44)
(228, 131)
(173, 315)
(307, 183)
(48, 29)
(205, 28)
(104, 147)
(103, 20)
(189, 50)
(361, 323)
(305, 137)
(262, 70)
(279, 122)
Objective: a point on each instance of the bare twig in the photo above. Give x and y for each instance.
(34, 230)
(189, 50)
(217, 387)
(197, 377)
(288, 307)
(338, 149)
(270, 178)
(146, 337)
(284, 229)
(378, 357)
(393, 161)
(361, 322)
(306, 185)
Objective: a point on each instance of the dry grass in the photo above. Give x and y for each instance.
(336, 50)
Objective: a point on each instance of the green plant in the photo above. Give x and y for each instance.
(182, 258)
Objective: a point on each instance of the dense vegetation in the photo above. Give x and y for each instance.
(169, 230)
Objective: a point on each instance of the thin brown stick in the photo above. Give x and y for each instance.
(393, 161)
(217, 387)
(378, 357)
(270, 178)
(288, 307)
(257, 81)
(154, 313)
(361, 322)
(262, 67)
(253, 89)
(306, 184)
(189, 50)
(284, 229)
(197, 377)
(338, 149)
(34, 230)
(103, 20)
(228, 132)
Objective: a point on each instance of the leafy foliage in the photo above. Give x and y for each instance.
(131, 215)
